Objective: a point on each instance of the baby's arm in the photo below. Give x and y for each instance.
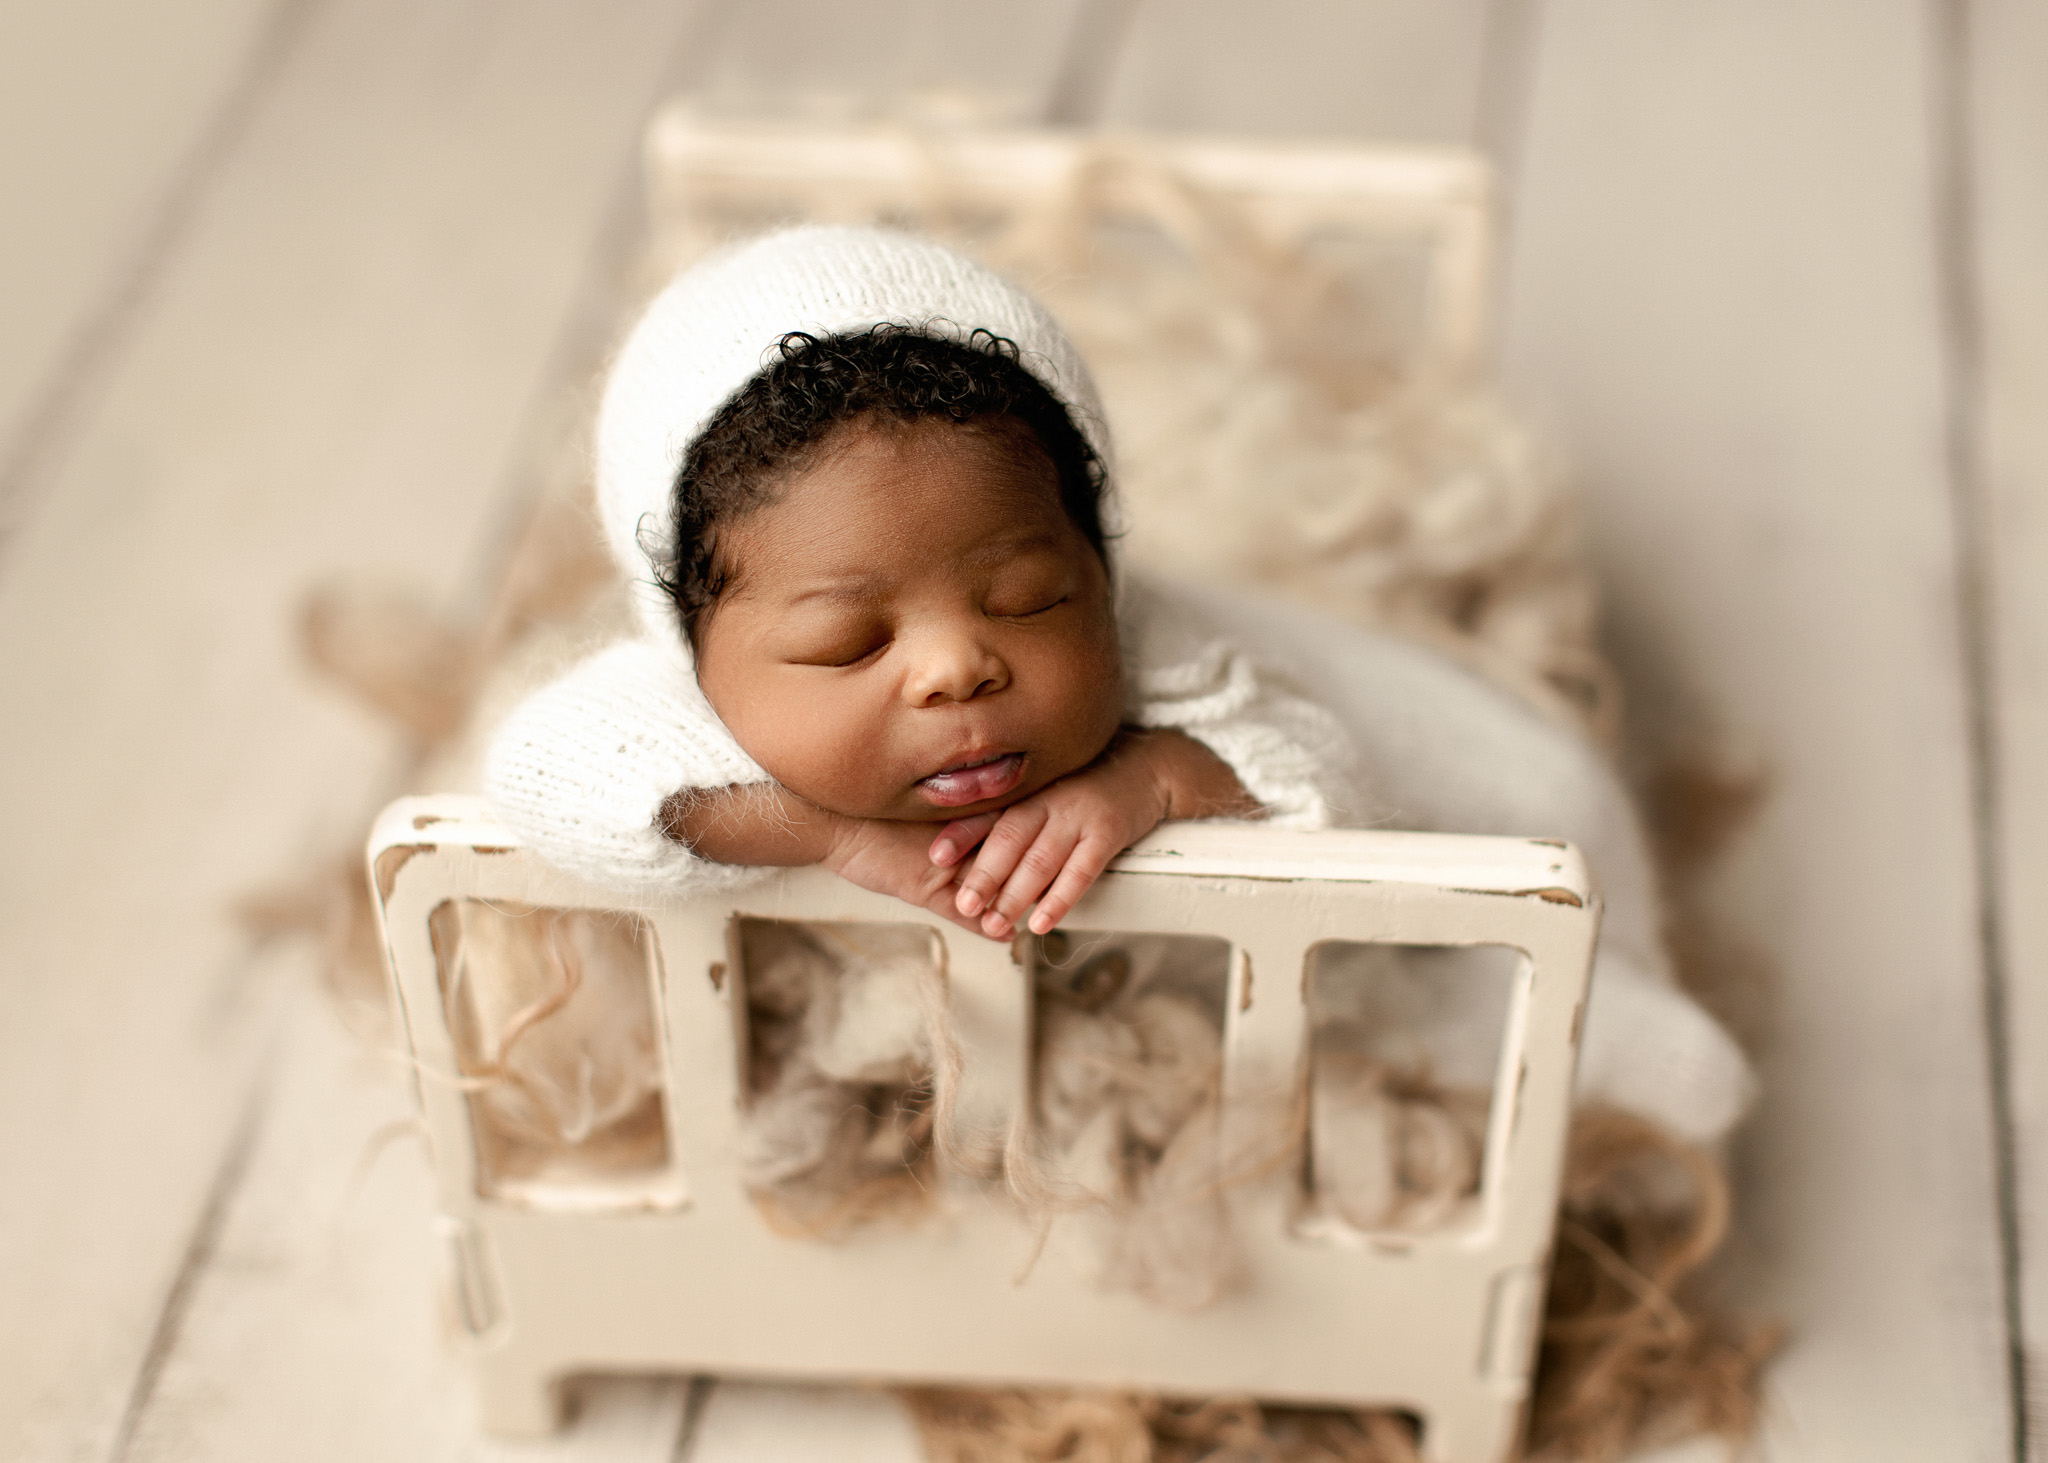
(622, 773)
(1045, 850)
(583, 768)
(766, 824)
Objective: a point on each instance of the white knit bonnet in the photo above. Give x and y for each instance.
(715, 327)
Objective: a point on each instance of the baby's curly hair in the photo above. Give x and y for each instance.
(817, 383)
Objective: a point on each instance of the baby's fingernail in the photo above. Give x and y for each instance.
(943, 854)
(1041, 925)
(969, 902)
(995, 927)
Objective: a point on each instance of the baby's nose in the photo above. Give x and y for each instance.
(954, 666)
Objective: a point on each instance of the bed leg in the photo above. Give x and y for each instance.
(517, 1403)
(1480, 1433)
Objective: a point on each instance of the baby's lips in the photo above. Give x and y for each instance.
(965, 785)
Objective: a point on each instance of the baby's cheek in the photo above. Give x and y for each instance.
(1091, 702)
(827, 748)
(1105, 715)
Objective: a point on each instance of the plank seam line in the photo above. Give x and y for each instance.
(1960, 300)
(1088, 62)
(694, 1405)
(588, 329)
(200, 1248)
(1510, 54)
(706, 36)
(1509, 46)
(85, 359)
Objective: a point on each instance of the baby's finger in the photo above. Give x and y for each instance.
(1035, 872)
(1084, 866)
(933, 889)
(958, 838)
(1007, 842)
(941, 904)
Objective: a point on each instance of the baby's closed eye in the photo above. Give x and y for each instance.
(1030, 607)
(833, 644)
(1030, 588)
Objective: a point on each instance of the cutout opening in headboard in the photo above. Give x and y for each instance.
(838, 1029)
(1404, 1055)
(557, 1037)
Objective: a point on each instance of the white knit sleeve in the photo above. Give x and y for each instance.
(580, 769)
(1181, 672)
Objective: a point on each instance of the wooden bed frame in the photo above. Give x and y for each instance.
(677, 1271)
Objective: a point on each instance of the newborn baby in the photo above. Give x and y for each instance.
(899, 602)
(859, 485)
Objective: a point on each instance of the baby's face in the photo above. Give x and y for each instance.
(913, 628)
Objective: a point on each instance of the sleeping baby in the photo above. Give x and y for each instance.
(861, 489)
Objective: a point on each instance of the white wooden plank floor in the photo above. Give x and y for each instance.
(2006, 113)
(317, 1329)
(331, 373)
(1395, 70)
(938, 60)
(104, 103)
(1725, 288)
(1768, 360)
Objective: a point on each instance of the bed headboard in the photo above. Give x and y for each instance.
(674, 1269)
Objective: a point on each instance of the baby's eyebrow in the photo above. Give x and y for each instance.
(858, 588)
(851, 589)
(1031, 541)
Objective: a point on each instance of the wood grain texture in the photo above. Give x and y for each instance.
(931, 60)
(320, 1329)
(1384, 70)
(331, 375)
(2008, 84)
(102, 103)
(1724, 290)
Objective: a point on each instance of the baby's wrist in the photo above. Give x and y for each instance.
(759, 823)
(1194, 782)
(840, 838)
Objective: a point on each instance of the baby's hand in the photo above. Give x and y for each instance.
(893, 858)
(1048, 849)
(763, 823)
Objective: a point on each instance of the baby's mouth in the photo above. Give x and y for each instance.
(956, 787)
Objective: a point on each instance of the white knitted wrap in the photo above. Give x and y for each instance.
(715, 328)
(1325, 724)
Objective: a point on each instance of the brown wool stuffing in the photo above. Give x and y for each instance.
(1387, 497)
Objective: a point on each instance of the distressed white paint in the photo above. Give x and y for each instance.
(679, 1271)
